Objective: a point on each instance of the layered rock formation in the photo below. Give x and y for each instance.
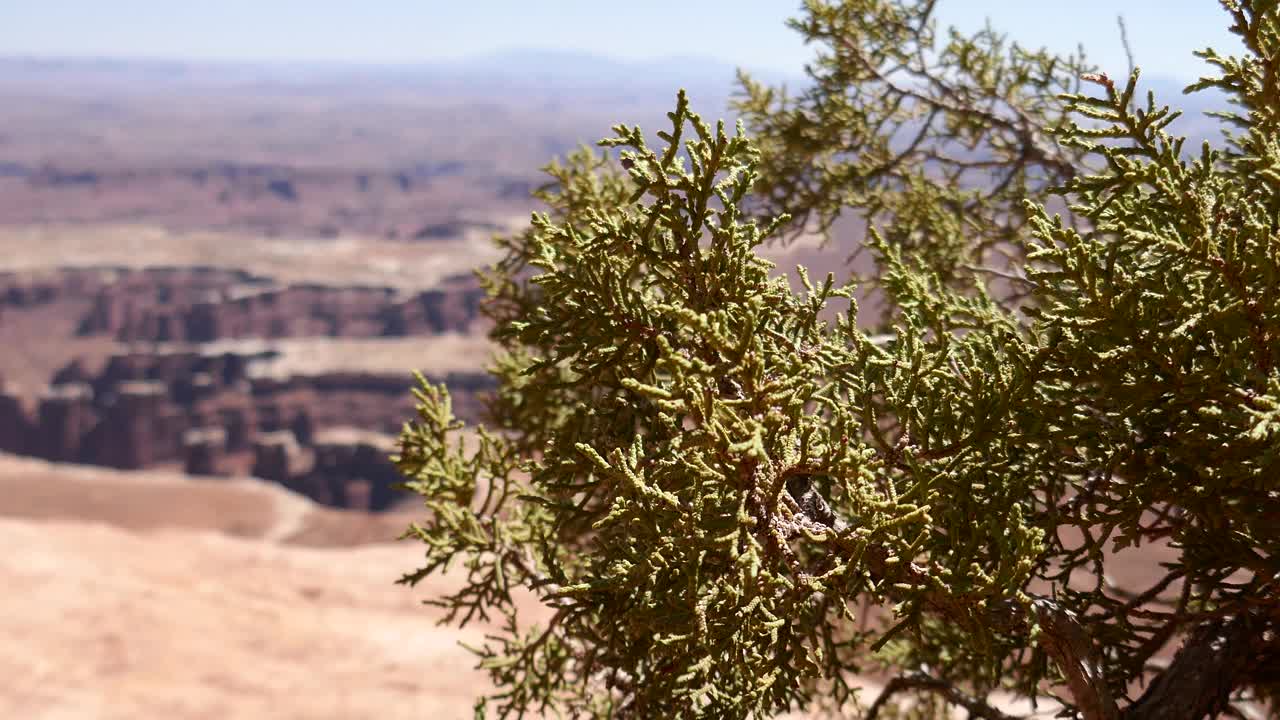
(196, 379)
(202, 304)
(157, 308)
(15, 427)
(345, 467)
(213, 414)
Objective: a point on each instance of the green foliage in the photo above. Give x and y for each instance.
(728, 505)
(934, 138)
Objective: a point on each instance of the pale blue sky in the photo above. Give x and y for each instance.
(743, 32)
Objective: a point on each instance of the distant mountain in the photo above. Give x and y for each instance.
(558, 80)
(534, 69)
(551, 67)
(539, 71)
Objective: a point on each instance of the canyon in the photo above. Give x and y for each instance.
(191, 375)
(215, 284)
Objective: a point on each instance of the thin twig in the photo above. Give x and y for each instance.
(1124, 40)
(977, 707)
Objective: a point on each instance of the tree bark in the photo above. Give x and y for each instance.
(1217, 659)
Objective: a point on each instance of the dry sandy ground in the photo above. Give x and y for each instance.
(141, 595)
(435, 354)
(102, 622)
(143, 501)
(346, 261)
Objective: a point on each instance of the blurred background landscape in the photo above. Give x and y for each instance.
(228, 235)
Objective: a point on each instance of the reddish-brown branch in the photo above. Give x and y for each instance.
(1216, 660)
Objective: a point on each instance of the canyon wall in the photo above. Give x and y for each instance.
(193, 381)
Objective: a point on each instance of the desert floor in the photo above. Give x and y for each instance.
(148, 595)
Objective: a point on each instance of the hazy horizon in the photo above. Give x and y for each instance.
(407, 33)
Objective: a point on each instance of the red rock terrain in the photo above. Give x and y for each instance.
(205, 270)
(194, 377)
